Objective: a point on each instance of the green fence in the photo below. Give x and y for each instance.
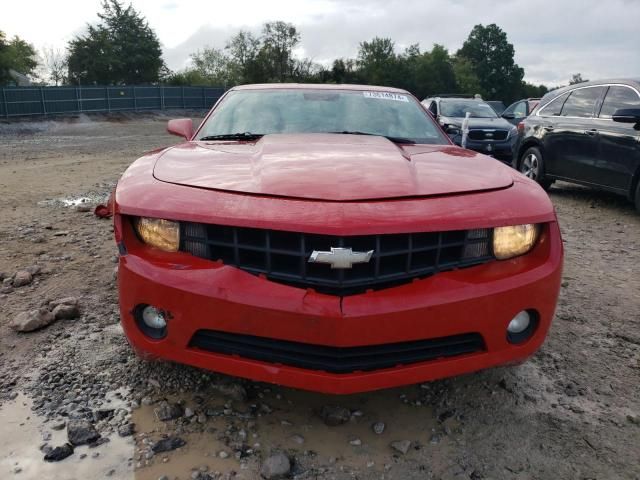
(28, 101)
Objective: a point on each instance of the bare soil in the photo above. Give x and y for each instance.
(570, 412)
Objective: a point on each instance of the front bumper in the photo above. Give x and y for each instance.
(202, 295)
(503, 149)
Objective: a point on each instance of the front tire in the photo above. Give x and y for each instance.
(532, 166)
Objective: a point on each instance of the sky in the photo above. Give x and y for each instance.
(553, 39)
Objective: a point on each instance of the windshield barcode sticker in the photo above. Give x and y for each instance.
(386, 96)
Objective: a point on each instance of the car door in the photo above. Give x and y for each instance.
(575, 149)
(516, 112)
(545, 130)
(619, 148)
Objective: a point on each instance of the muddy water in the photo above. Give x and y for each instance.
(20, 453)
(294, 417)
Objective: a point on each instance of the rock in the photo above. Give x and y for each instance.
(378, 428)
(59, 453)
(168, 411)
(299, 439)
(63, 301)
(276, 466)
(32, 320)
(22, 278)
(168, 444)
(81, 432)
(222, 454)
(232, 390)
(66, 312)
(127, 429)
(59, 425)
(356, 442)
(333, 415)
(188, 413)
(33, 269)
(401, 446)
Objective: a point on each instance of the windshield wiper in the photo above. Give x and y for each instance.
(233, 136)
(392, 139)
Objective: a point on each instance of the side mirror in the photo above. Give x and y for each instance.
(627, 115)
(508, 116)
(182, 127)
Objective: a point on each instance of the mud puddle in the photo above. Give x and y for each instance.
(294, 426)
(87, 199)
(20, 452)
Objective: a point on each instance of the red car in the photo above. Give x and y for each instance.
(332, 238)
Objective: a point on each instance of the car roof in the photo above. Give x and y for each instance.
(594, 83)
(318, 86)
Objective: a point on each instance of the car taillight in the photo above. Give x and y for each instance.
(520, 127)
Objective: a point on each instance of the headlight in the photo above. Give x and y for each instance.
(513, 132)
(452, 130)
(162, 234)
(512, 241)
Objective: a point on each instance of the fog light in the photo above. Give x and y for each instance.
(520, 322)
(522, 327)
(151, 320)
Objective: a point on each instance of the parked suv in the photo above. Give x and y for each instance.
(587, 134)
(488, 133)
(518, 111)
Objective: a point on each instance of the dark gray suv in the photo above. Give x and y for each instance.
(588, 134)
(488, 133)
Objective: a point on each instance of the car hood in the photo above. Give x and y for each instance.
(330, 167)
(478, 122)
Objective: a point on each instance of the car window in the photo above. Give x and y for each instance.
(272, 111)
(582, 102)
(459, 108)
(433, 108)
(553, 108)
(510, 109)
(520, 110)
(619, 97)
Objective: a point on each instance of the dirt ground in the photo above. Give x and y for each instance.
(571, 412)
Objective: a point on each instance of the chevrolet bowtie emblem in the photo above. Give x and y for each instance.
(340, 257)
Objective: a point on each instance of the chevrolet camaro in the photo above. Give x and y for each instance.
(332, 238)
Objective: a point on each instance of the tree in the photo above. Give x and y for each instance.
(278, 41)
(54, 63)
(345, 71)
(122, 49)
(576, 78)
(377, 61)
(16, 55)
(492, 59)
(243, 49)
(435, 73)
(533, 91)
(466, 79)
(212, 64)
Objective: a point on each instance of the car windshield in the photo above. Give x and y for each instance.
(268, 111)
(459, 108)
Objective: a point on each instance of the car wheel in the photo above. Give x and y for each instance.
(532, 166)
